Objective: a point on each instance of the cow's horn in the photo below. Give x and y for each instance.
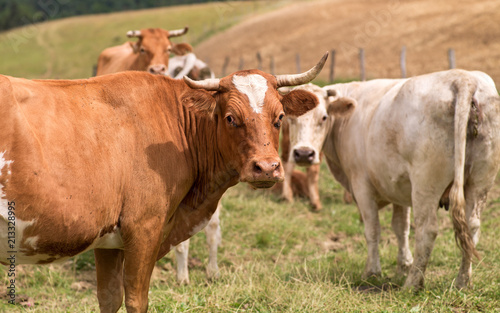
(177, 32)
(299, 79)
(134, 33)
(210, 84)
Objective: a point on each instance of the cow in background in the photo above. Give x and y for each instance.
(420, 142)
(151, 52)
(297, 137)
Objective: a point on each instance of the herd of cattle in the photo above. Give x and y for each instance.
(131, 164)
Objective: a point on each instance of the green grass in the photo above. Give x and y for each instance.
(279, 257)
(69, 48)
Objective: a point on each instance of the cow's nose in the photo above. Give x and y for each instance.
(157, 69)
(303, 155)
(266, 170)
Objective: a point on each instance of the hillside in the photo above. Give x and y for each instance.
(68, 48)
(428, 28)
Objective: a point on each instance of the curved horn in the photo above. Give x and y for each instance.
(177, 32)
(210, 84)
(134, 33)
(299, 79)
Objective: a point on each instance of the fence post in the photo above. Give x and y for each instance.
(224, 66)
(272, 65)
(362, 63)
(259, 61)
(297, 61)
(402, 61)
(242, 64)
(332, 66)
(451, 58)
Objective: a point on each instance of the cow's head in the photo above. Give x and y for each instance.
(248, 111)
(153, 48)
(308, 132)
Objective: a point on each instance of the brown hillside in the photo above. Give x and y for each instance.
(428, 28)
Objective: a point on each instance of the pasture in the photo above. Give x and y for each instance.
(277, 257)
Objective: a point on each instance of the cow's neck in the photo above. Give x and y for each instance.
(211, 178)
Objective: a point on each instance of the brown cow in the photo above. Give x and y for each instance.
(131, 164)
(150, 53)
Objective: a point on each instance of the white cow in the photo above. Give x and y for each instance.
(420, 142)
(214, 238)
(188, 65)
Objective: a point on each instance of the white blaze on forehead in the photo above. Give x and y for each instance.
(254, 86)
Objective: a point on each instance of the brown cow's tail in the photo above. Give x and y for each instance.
(464, 88)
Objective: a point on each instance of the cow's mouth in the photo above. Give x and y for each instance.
(262, 184)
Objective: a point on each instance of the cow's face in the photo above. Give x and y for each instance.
(248, 112)
(308, 132)
(154, 47)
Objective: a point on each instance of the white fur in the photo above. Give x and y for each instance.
(254, 87)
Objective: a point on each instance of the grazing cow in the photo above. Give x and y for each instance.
(150, 52)
(131, 164)
(190, 66)
(420, 142)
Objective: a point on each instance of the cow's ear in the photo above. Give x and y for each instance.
(342, 106)
(298, 102)
(199, 101)
(181, 48)
(134, 46)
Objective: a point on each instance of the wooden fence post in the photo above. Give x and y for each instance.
(297, 61)
(259, 61)
(242, 64)
(272, 65)
(451, 58)
(402, 62)
(362, 63)
(332, 66)
(224, 66)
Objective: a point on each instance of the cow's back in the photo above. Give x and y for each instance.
(115, 59)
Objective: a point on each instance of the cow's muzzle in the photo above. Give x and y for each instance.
(263, 173)
(304, 156)
(157, 69)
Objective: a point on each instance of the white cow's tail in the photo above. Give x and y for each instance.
(464, 88)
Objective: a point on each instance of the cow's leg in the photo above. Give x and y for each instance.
(109, 269)
(214, 237)
(181, 256)
(141, 246)
(401, 227)
(312, 185)
(369, 210)
(475, 203)
(287, 183)
(426, 230)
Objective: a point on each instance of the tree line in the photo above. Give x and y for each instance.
(14, 13)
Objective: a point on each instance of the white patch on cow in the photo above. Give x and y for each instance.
(199, 227)
(112, 240)
(31, 241)
(254, 87)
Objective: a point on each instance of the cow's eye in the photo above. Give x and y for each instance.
(142, 50)
(231, 121)
(280, 120)
(324, 118)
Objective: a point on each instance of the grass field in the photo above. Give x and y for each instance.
(278, 257)
(69, 48)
